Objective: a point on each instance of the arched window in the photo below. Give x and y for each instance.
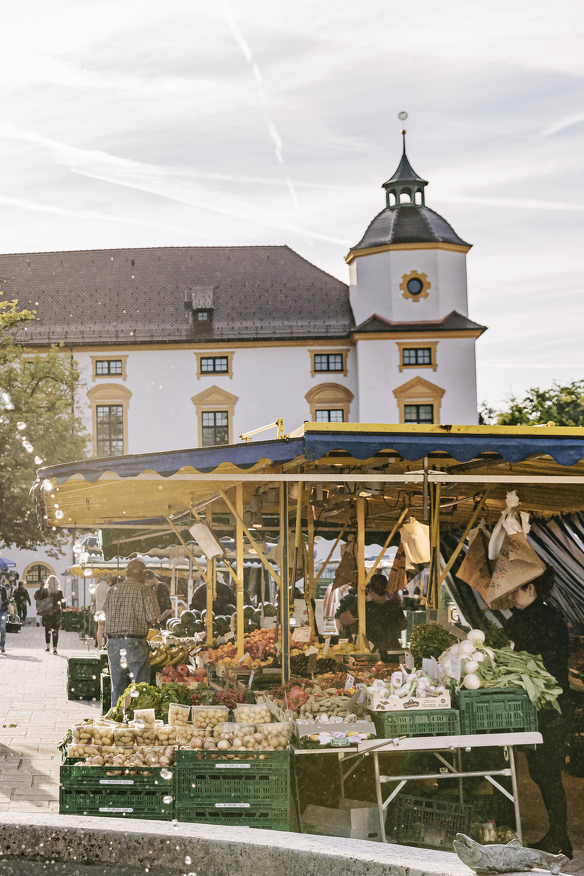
(391, 199)
(329, 403)
(36, 574)
(418, 198)
(405, 198)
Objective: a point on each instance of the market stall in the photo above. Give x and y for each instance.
(361, 483)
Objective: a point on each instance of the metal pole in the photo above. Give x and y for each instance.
(515, 794)
(284, 584)
(380, 808)
(309, 579)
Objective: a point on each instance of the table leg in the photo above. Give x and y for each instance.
(380, 808)
(459, 763)
(515, 794)
(297, 794)
(342, 775)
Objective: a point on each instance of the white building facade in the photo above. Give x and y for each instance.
(192, 346)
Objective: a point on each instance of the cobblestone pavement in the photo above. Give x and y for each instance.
(35, 713)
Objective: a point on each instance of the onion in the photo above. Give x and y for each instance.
(472, 681)
(478, 656)
(470, 667)
(476, 636)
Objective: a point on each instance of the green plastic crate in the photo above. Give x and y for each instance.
(73, 775)
(495, 710)
(236, 815)
(259, 778)
(86, 668)
(105, 692)
(424, 722)
(103, 661)
(419, 821)
(83, 689)
(116, 802)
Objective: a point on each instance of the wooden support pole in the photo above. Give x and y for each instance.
(211, 586)
(252, 541)
(434, 583)
(284, 589)
(464, 536)
(309, 582)
(361, 602)
(386, 545)
(239, 565)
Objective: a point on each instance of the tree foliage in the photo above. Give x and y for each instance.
(38, 421)
(562, 405)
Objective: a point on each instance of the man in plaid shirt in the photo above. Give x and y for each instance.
(130, 610)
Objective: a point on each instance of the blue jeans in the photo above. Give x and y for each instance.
(137, 658)
(3, 619)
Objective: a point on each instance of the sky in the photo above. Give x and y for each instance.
(241, 122)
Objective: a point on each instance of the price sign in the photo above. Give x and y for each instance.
(361, 687)
(327, 644)
(260, 650)
(312, 664)
(252, 673)
(350, 682)
(455, 668)
(430, 667)
(302, 634)
(409, 661)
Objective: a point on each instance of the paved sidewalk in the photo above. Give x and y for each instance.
(34, 716)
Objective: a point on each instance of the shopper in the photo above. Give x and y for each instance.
(384, 617)
(99, 597)
(539, 628)
(225, 595)
(50, 600)
(161, 592)
(4, 603)
(22, 600)
(130, 609)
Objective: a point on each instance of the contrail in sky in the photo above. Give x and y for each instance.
(248, 55)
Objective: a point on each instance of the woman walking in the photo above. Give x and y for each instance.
(49, 599)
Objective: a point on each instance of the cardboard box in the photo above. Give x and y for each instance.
(355, 820)
(377, 701)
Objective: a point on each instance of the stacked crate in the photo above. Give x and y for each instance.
(143, 792)
(251, 791)
(105, 692)
(83, 678)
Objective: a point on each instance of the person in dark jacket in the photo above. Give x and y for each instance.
(161, 591)
(4, 603)
(384, 617)
(22, 600)
(539, 628)
(225, 596)
(51, 589)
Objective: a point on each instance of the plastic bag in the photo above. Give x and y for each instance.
(415, 538)
(511, 522)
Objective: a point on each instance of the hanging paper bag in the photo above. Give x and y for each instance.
(510, 522)
(476, 569)
(517, 564)
(397, 577)
(415, 538)
(347, 569)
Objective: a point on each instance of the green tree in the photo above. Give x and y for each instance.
(38, 426)
(562, 405)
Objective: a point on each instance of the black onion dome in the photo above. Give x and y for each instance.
(408, 223)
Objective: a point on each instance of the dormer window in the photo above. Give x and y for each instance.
(203, 315)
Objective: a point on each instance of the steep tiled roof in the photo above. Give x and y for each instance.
(151, 295)
(451, 323)
(408, 224)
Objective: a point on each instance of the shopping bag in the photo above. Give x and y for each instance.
(415, 538)
(511, 522)
(11, 610)
(476, 569)
(517, 564)
(398, 579)
(347, 569)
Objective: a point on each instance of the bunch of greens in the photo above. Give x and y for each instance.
(507, 668)
(148, 698)
(496, 637)
(171, 693)
(429, 640)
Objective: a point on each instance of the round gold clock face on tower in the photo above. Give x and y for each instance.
(415, 286)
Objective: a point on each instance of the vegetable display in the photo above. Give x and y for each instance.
(428, 640)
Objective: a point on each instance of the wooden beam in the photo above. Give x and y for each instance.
(463, 538)
(284, 589)
(252, 541)
(309, 582)
(211, 585)
(239, 565)
(331, 552)
(386, 545)
(361, 602)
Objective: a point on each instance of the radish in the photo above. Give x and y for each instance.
(472, 681)
(470, 667)
(476, 636)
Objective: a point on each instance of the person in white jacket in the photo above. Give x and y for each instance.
(99, 597)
